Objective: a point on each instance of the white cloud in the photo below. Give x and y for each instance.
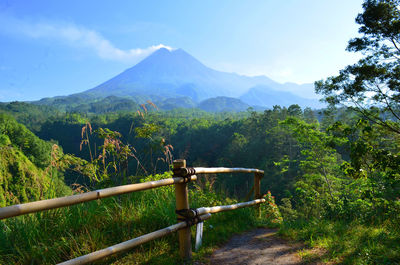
(76, 36)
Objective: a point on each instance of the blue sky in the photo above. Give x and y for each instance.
(50, 48)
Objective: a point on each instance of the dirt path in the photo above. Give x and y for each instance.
(260, 246)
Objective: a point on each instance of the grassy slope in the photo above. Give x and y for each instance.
(346, 242)
(57, 235)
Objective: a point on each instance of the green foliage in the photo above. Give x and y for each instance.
(4, 140)
(32, 116)
(26, 173)
(374, 167)
(374, 80)
(22, 181)
(315, 187)
(37, 150)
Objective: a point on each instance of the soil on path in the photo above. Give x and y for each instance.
(260, 246)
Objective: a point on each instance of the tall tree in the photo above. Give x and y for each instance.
(374, 81)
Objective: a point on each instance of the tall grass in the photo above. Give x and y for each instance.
(56, 235)
(347, 242)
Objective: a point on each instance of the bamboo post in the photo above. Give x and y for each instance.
(257, 193)
(182, 202)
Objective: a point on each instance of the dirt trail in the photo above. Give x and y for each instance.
(260, 246)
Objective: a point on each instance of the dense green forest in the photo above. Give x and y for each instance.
(334, 172)
(328, 174)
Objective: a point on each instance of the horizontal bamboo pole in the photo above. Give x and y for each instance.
(223, 208)
(101, 254)
(214, 170)
(37, 206)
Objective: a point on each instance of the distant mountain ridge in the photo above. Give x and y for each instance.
(176, 74)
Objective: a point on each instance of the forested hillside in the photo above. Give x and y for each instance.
(26, 172)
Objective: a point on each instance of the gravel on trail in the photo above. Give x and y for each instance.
(257, 247)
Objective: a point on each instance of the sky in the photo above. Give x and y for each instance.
(52, 48)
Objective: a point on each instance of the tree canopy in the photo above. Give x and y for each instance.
(374, 81)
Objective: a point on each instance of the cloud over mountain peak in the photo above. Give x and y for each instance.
(75, 36)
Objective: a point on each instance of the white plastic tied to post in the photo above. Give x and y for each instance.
(199, 235)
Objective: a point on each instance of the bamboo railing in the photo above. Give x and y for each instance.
(182, 176)
(101, 254)
(32, 207)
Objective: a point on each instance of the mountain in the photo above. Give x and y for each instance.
(168, 75)
(265, 96)
(105, 105)
(173, 103)
(221, 104)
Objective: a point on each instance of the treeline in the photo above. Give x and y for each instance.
(251, 139)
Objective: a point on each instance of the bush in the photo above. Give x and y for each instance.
(270, 212)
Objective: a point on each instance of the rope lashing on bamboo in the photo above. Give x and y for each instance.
(185, 173)
(190, 216)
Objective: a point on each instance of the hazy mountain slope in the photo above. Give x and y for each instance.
(174, 103)
(66, 102)
(267, 97)
(220, 104)
(176, 74)
(105, 105)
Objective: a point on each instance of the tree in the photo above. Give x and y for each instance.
(372, 83)
(295, 110)
(318, 177)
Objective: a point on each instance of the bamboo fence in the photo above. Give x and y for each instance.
(182, 176)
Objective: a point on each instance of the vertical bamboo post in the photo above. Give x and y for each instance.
(257, 192)
(182, 202)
